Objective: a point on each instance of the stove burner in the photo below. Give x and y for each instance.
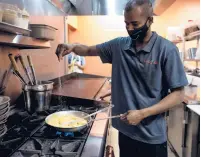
(27, 135)
(36, 147)
(50, 132)
(66, 134)
(9, 143)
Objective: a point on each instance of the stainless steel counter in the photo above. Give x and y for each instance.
(96, 141)
(183, 131)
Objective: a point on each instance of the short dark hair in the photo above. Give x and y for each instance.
(145, 4)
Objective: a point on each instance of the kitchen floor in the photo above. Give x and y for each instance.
(113, 141)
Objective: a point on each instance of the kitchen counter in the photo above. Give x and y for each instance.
(95, 143)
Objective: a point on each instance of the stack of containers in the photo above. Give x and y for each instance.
(11, 14)
(4, 113)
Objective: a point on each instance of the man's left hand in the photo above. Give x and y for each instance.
(133, 117)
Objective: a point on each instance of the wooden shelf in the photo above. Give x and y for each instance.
(192, 36)
(23, 42)
(194, 60)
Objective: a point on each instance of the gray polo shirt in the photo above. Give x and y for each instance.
(140, 80)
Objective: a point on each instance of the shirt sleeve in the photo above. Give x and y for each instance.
(173, 71)
(106, 50)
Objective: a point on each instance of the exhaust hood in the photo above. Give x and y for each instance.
(82, 7)
(115, 7)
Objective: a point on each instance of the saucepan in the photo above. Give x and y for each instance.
(81, 115)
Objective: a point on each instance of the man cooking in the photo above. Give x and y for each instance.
(145, 67)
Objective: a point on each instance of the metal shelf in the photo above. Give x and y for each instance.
(13, 29)
(23, 42)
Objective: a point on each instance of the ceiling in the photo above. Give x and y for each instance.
(83, 7)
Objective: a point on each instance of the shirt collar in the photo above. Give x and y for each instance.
(147, 47)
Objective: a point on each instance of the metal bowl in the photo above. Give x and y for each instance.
(75, 113)
(40, 87)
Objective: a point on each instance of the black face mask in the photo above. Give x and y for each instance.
(139, 33)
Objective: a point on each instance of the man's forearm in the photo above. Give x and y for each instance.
(170, 101)
(83, 50)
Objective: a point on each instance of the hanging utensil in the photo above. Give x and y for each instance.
(25, 69)
(32, 69)
(15, 67)
(18, 77)
(3, 79)
(6, 76)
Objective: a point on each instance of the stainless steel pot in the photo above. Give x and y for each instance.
(38, 97)
(75, 113)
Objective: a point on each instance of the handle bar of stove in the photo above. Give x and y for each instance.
(99, 111)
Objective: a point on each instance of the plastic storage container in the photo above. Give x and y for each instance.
(44, 32)
(10, 16)
(23, 20)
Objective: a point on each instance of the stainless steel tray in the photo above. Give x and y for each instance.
(14, 29)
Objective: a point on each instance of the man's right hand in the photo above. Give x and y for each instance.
(64, 49)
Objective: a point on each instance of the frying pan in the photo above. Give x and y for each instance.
(74, 113)
(79, 114)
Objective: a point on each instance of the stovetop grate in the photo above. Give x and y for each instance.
(25, 130)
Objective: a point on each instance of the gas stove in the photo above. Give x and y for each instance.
(29, 136)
